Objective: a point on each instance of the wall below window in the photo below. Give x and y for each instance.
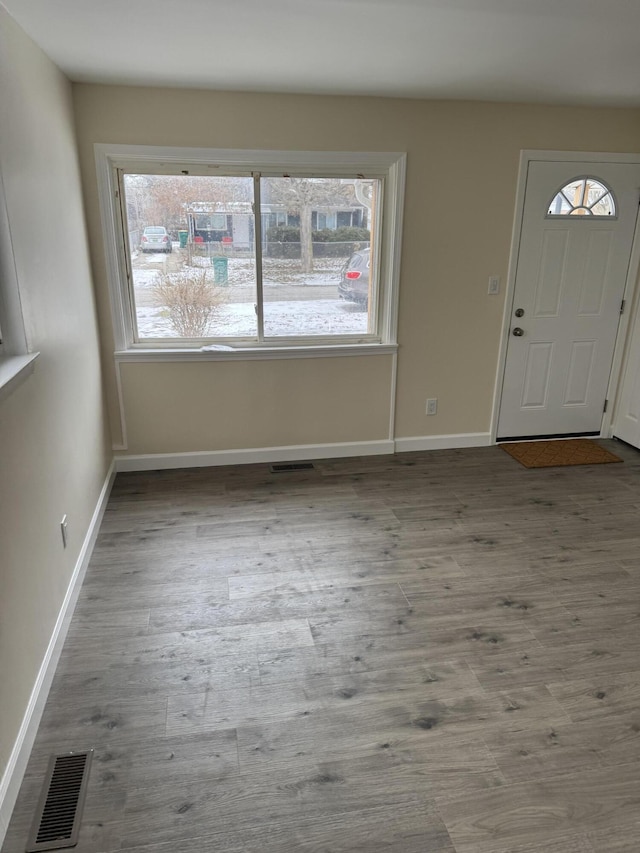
(54, 445)
(462, 171)
(207, 406)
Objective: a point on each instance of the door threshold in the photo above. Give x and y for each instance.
(551, 437)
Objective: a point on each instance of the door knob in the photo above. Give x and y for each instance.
(518, 332)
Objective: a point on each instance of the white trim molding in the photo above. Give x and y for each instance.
(14, 370)
(298, 452)
(211, 458)
(17, 764)
(254, 353)
(453, 441)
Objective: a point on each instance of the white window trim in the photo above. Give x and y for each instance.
(388, 165)
(16, 362)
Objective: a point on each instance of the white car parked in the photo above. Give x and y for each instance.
(155, 238)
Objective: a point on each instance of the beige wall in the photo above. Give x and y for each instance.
(54, 452)
(241, 405)
(461, 184)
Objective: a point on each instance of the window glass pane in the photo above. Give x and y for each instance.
(560, 206)
(319, 280)
(583, 197)
(191, 243)
(600, 204)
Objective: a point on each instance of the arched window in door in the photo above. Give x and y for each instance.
(584, 196)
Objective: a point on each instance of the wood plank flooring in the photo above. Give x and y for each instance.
(427, 653)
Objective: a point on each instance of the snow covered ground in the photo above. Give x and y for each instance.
(143, 278)
(298, 313)
(238, 319)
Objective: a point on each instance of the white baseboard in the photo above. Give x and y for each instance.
(443, 442)
(297, 452)
(17, 764)
(294, 453)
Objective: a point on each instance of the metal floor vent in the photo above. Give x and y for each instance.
(279, 467)
(57, 821)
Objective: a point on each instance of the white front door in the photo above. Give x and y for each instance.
(570, 279)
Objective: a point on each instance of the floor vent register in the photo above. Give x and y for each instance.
(57, 821)
(281, 467)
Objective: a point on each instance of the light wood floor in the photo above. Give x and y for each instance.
(426, 653)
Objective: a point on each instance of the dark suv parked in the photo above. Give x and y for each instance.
(354, 284)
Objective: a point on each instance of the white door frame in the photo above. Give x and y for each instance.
(526, 157)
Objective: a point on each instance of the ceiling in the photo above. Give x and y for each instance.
(547, 51)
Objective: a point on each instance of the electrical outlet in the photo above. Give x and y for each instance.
(64, 531)
(432, 406)
(494, 285)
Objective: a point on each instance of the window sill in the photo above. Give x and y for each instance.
(255, 353)
(14, 369)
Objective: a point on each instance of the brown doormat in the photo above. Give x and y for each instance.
(548, 454)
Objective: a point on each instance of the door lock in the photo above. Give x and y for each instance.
(519, 312)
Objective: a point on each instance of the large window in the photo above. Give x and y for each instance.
(272, 250)
(16, 361)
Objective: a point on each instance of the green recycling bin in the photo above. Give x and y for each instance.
(182, 236)
(220, 270)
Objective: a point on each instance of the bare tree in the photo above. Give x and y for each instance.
(162, 199)
(191, 301)
(300, 197)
